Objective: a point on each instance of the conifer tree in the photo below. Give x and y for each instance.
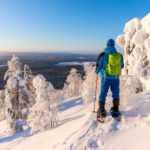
(16, 95)
(73, 85)
(28, 76)
(43, 114)
(89, 83)
(2, 104)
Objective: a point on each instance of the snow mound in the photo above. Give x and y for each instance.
(136, 44)
(146, 23)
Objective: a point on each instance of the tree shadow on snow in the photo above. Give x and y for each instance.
(70, 119)
(70, 104)
(24, 133)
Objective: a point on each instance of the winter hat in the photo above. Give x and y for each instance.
(111, 42)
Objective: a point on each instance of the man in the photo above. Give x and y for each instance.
(109, 65)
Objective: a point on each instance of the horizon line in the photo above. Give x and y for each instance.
(52, 51)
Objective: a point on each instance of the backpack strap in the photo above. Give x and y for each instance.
(98, 58)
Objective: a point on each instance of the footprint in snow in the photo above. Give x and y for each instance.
(93, 144)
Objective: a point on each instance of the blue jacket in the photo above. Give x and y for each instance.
(103, 61)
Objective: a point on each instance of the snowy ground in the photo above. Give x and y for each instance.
(78, 129)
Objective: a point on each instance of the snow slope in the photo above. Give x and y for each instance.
(78, 129)
(133, 133)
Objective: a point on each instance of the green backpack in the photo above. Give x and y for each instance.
(114, 64)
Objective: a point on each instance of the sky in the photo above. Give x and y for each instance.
(65, 25)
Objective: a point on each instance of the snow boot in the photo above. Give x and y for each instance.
(115, 113)
(101, 112)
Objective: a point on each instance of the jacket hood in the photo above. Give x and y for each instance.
(111, 43)
(110, 50)
(110, 46)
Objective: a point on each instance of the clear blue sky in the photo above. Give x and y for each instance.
(67, 25)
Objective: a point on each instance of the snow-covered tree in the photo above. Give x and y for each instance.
(146, 82)
(73, 85)
(14, 68)
(16, 97)
(89, 84)
(2, 105)
(28, 76)
(136, 44)
(129, 85)
(54, 102)
(43, 114)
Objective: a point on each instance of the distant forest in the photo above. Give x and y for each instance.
(46, 64)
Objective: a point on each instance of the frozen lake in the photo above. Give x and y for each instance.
(74, 63)
(3, 65)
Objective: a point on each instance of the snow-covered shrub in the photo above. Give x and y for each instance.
(2, 105)
(73, 85)
(43, 114)
(89, 84)
(129, 85)
(16, 95)
(136, 44)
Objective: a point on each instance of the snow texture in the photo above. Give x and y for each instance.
(79, 130)
(136, 44)
(43, 114)
(73, 85)
(16, 94)
(2, 105)
(90, 84)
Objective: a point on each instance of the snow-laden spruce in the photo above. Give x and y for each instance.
(16, 94)
(73, 85)
(136, 44)
(28, 76)
(2, 105)
(89, 84)
(43, 114)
